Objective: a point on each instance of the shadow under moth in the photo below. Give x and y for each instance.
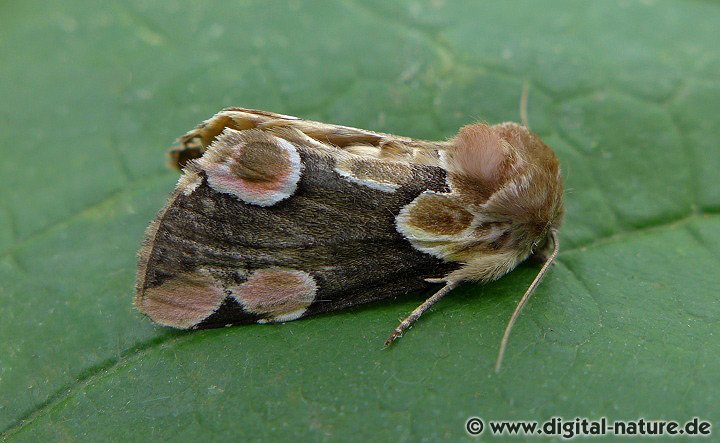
(276, 218)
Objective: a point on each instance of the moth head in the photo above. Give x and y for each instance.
(511, 181)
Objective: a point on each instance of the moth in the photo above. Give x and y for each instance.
(276, 218)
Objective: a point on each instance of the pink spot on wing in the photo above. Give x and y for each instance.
(254, 167)
(251, 192)
(182, 301)
(280, 294)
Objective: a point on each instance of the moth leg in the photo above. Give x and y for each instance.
(414, 315)
(540, 256)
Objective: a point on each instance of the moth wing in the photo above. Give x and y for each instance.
(271, 224)
(355, 140)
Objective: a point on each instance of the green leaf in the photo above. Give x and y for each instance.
(625, 326)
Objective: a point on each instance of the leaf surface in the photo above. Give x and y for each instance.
(625, 326)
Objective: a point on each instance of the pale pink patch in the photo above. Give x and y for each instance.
(184, 301)
(480, 152)
(259, 177)
(280, 294)
(222, 179)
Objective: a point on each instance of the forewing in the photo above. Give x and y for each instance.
(242, 242)
(360, 141)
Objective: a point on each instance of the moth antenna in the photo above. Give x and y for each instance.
(524, 104)
(414, 315)
(525, 298)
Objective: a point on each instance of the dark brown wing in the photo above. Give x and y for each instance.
(211, 259)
